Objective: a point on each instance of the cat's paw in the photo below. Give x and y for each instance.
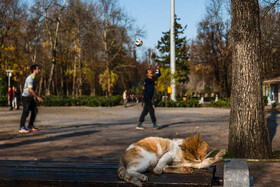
(157, 170)
(142, 177)
(174, 169)
(187, 170)
(220, 154)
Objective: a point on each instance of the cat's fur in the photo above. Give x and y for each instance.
(154, 153)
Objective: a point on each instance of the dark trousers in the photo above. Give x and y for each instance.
(18, 102)
(11, 103)
(148, 107)
(29, 104)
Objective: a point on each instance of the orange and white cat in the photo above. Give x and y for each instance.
(154, 153)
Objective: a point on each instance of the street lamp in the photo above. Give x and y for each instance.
(9, 74)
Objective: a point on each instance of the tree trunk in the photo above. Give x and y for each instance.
(54, 41)
(48, 91)
(74, 78)
(41, 83)
(109, 82)
(248, 132)
(92, 86)
(61, 81)
(79, 78)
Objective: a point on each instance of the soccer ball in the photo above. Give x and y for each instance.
(138, 42)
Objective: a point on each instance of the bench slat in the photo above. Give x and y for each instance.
(48, 164)
(32, 173)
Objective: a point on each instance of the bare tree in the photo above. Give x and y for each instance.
(113, 26)
(212, 47)
(270, 44)
(248, 132)
(52, 25)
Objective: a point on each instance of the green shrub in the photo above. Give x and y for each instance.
(265, 100)
(229, 155)
(3, 101)
(179, 103)
(221, 103)
(273, 106)
(58, 101)
(81, 101)
(189, 103)
(276, 154)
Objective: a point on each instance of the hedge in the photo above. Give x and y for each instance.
(226, 102)
(74, 101)
(179, 103)
(92, 101)
(221, 103)
(3, 101)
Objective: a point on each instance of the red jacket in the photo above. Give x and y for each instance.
(11, 94)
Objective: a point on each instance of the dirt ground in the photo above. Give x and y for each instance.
(102, 134)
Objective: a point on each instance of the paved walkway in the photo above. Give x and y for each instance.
(101, 134)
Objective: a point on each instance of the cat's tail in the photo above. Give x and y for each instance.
(123, 174)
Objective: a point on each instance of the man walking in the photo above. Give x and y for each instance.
(28, 101)
(148, 94)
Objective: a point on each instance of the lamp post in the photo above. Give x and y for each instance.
(9, 74)
(172, 48)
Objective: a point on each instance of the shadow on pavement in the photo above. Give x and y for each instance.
(167, 125)
(47, 139)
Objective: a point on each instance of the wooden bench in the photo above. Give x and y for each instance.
(45, 173)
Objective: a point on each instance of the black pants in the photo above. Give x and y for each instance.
(29, 104)
(11, 103)
(18, 102)
(148, 107)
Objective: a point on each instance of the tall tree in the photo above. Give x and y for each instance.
(181, 51)
(212, 48)
(52, 19)
(248, 132)
(13, 18)
(112, 26)
(270, 27)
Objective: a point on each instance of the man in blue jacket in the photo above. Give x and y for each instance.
(148, 94)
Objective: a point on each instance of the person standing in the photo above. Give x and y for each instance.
(148, 94)
(28, 100)
(14, 102)
(17, 93)
(124, 99)
(10, 97)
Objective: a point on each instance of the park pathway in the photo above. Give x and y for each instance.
(102, 133)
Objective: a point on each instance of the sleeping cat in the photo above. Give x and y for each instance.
(154, 153)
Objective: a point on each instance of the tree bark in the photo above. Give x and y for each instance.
(50, 81)
(248, 132)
